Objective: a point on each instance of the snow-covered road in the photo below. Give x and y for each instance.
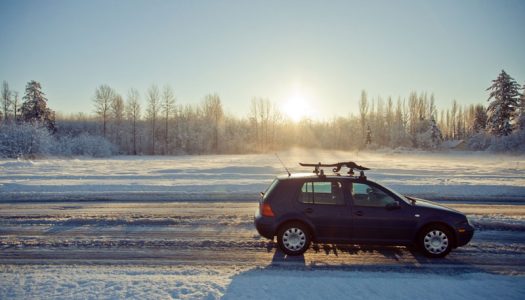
(213, 245)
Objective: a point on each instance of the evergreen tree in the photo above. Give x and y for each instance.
(34, 109)
(501, 111)
(480, 118)
(435, 134)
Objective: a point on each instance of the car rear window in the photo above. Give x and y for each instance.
(322, 193)
(270, 188)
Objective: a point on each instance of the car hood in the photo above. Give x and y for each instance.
(432, 205)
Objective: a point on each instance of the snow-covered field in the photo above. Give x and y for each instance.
(457, 175)
(56, 244)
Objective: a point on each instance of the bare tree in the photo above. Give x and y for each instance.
(254, 119)
(213, 112)
(453, 120)
(264, 116)
(363, 111)
(16, 102)
(168, 109)
(6, 100)
(117, 112)
(133, 115)
(153, 98)
(104, 96)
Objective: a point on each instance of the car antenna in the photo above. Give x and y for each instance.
(283, 165)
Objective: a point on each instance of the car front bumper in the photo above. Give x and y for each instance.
(464, 233)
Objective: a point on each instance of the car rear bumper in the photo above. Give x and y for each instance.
(264, 226)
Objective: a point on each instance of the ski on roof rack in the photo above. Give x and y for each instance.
(336, 167)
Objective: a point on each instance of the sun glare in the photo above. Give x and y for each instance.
(296, 107)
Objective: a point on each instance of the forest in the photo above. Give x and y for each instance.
(153, 123)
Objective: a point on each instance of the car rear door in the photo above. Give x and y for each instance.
(324, 203)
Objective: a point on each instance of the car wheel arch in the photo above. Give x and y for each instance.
(309, 226)
(430, 224)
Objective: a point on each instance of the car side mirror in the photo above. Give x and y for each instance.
(393, 205)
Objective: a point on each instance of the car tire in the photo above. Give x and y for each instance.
(293, 238)
(435, 241)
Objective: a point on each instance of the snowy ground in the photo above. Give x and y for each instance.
(56, 243)
(459, 175)
(146, 282)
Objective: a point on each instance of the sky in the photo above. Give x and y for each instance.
(318, 55)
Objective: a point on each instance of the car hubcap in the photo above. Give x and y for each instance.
(294, 239)
(436, 242)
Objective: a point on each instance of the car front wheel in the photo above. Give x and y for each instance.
(435, 241)
(293, 238)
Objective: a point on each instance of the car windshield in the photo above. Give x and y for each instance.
(396, 193)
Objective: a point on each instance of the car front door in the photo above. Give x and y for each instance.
(324, 203)
(379, 216)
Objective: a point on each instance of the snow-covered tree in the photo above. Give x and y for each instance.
(501, 111)
(480, 118)
(429, 136)
(435, 134)
(34, 109)
(24, 140)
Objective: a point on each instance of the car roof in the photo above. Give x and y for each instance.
(307, 176)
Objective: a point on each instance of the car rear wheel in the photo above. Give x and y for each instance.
(435, 241)
(293, 238)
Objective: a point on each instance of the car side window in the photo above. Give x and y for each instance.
(322, 192)
(367, 195)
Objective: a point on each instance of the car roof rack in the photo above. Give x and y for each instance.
(337, 167)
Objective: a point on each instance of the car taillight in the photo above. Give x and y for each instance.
(266, 210)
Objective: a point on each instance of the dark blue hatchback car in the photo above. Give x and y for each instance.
(302, 208)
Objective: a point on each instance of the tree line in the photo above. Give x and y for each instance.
(154, 123)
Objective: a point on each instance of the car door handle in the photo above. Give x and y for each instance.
(309, 210)
(358, 213)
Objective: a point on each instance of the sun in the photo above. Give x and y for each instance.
(296, 107)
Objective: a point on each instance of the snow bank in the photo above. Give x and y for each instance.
(208, 282)
(278, 284)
